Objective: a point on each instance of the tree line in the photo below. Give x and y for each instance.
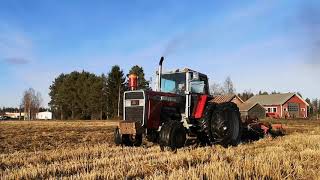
(84, 95)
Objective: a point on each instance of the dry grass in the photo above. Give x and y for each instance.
(84, 150)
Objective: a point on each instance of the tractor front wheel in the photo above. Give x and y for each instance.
(172, 135)
(132, 140)
(127, 139)
(117, 136)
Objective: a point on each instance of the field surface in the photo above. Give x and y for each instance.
(84, 150)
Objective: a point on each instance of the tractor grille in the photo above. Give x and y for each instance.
(134, 95)
(134, 106)
(134, 113)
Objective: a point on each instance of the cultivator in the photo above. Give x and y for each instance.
(254, 130)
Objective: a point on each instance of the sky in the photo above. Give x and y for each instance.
(262, 45)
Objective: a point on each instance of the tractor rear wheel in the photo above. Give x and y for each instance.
(226, 124)
(221, 124)
(172, 135)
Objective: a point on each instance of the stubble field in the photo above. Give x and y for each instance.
(84, 150)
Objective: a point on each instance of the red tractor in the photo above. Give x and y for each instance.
(179, 109)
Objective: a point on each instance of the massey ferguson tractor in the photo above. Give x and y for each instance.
(179, 108)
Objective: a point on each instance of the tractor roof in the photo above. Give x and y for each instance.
(184, 70)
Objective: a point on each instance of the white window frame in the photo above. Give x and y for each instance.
(274, 109)
(271, 109)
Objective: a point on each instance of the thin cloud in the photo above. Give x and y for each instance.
(15, 46)
(16, 60)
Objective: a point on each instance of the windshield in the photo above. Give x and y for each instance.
(173, 83)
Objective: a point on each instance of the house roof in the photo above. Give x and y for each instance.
(273, 99)
(247, 106)
(225, 98)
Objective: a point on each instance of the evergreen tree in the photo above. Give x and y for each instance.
(103, 97)
(246, 95)
(78, 96)
(142, 82)
(310, 109)
(115, 89)
(315, 106)
(263, 93)
(319, 107)
(57, 103)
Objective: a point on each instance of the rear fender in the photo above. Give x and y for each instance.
(202, 101)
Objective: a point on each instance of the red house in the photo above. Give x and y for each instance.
(288, 105)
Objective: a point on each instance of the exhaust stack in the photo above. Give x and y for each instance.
(160, 73)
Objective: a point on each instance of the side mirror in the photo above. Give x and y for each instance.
(195, 76)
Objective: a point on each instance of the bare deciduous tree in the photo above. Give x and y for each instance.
(31, 103)
(228, 86)
(216, 89)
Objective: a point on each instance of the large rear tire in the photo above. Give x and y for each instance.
(172, 135)
(226, 124)
(221, 124)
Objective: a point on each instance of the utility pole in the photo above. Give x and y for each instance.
(119, 101)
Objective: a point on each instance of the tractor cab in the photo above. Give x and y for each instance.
(191, 85)
(184, 81)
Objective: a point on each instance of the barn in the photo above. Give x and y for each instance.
(287, 105)
(252, 111)
(247, 110)
(227, 98)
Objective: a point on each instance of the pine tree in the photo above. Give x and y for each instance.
(263, 93)
(319, 107)
(247, 94)
(78, 96)
(315, 106)
(57, 103)
(310, 109)
(115, 89)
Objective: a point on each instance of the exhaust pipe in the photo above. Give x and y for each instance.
(160, 73)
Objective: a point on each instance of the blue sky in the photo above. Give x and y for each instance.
(261, 45)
